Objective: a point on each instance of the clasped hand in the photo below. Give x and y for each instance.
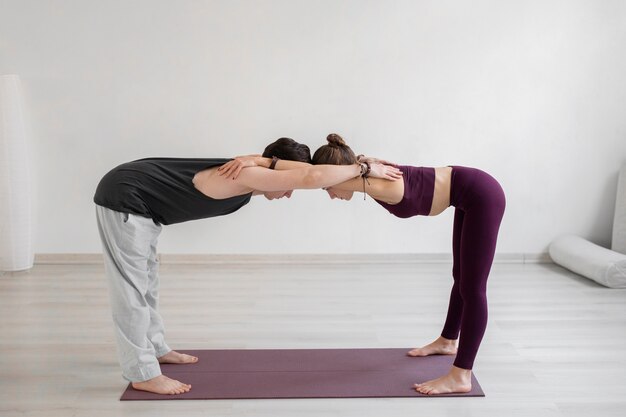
(231, 169)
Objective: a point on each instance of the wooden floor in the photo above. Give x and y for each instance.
(555, 345)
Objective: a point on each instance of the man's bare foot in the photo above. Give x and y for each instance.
(174, 357)
(441, 346)
(162, 385)
(457, 380)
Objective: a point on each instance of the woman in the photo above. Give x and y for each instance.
(132, 202)
(479, 202)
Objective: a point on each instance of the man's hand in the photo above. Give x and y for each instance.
(370, 160)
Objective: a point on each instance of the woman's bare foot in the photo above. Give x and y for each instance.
(162, 385)
(174, 357)
(457, 380)
(441, 346)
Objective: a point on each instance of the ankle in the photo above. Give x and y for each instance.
(460, 374)
(154, 379)
(444, 341)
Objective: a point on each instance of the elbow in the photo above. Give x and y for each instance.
(312, 179)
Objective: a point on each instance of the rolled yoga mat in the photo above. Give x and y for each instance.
(304, 373)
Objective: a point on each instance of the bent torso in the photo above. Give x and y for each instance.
(392, 192)
(216, 186)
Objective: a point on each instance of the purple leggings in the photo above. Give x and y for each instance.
(480, 203)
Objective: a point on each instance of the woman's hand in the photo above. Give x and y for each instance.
(371, 160)
(387, 172)
(231, 169)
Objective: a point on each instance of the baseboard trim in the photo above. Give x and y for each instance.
(315, 259)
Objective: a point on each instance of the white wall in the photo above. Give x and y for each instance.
(533, 92)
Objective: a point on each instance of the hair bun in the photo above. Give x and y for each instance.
(335, 140)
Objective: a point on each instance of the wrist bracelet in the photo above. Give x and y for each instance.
(365, 169)
(273, 164)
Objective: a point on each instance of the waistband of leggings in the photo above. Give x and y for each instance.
(457, 191)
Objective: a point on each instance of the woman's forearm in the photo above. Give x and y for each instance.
(321, 176)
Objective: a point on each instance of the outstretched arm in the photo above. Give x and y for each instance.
(313, 176)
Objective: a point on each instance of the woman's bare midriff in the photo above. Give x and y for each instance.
(441, 196)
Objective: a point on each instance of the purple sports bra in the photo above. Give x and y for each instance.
(419, 188)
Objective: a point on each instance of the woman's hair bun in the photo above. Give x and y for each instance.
(335, 140)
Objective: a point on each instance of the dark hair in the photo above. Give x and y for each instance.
(335, 153)
(289, 149)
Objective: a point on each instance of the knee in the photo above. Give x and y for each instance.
(473, 293)
(456, 273)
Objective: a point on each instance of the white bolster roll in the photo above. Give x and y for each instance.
(602, 265)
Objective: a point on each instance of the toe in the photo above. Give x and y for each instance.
(190, 359)
(426, 389)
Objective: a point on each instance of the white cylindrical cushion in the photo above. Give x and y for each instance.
(16, 251)
(619, 222)
(602, 265)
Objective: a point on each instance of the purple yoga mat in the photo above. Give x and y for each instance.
(303, 373)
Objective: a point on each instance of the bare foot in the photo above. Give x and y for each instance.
(162, 385)
(441, 346)
(457, 380)
(174, 357)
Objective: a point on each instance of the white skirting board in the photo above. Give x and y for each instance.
(378, 258)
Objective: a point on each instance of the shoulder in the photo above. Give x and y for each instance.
(209, 183)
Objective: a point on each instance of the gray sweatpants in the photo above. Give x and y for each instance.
(130, 258)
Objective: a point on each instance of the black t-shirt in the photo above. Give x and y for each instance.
(162, 189)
